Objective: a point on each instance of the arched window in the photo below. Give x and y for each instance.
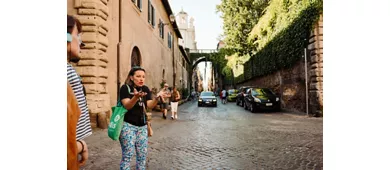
(135, 57)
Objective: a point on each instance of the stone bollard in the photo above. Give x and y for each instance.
(102, 121)
(93, 117)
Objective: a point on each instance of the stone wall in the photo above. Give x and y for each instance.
(290, 83)
(316, 69)
(93, 15)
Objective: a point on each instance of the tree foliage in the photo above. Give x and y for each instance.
(281, 35)
(239, 17)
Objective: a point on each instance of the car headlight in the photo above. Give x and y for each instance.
(200, 100)
(214, 99)
(257, 100)
(277, 99)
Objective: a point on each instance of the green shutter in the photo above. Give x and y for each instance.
(140, 4)
(149, 11)
(162, 27)
(153, 20)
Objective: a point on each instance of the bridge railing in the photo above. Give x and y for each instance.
(204, 51)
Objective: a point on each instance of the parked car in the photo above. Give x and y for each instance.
(258, 99)
(240, 95)
(232, 95)
(207, 98)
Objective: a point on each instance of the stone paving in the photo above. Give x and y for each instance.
(226, 137)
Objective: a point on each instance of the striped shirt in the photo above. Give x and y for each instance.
(83, 128)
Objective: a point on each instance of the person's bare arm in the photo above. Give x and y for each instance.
(160, 94)
(82, 149)
(129, 103)
(178, 96)
(152, 103)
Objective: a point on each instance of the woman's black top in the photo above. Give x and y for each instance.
(135, 115)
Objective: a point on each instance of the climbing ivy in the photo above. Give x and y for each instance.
(218, 59)
(280, 36)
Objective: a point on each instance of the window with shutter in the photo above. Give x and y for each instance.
(153, 17)
(149, 11)
(139, 4)
(169, 40)
(162, 31)
(160, 28)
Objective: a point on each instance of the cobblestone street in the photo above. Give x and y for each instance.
(226, 137)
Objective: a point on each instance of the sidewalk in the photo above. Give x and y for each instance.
(157, 108)
(157, 120)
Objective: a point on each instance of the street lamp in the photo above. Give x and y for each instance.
(171, 18)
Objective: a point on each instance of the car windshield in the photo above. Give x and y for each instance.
(262, 92)
(207, 94)
(233, 91)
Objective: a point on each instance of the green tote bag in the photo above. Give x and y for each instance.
(116, 120)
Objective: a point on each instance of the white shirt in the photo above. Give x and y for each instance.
(223, 93)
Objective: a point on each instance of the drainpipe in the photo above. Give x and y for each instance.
(118, 49)
(307, 89)
(173, 57)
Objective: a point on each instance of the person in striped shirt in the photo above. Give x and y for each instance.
(83, 127)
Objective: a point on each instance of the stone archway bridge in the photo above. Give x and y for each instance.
(200, 55)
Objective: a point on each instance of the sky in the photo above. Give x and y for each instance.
(208, 25)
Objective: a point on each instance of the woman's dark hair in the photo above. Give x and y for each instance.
(132, 72)
(71, 22)
(134, 69)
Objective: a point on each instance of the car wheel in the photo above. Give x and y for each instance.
(241, 103)
(245, 106)
(252, 108)
(215, 105)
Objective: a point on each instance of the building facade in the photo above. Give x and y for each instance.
(183, 71)
(187, 30)
(118, 35)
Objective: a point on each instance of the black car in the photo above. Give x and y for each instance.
(207, 98)
(257, 99)
(240, 96)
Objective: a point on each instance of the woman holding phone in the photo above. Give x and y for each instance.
(134, 134)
